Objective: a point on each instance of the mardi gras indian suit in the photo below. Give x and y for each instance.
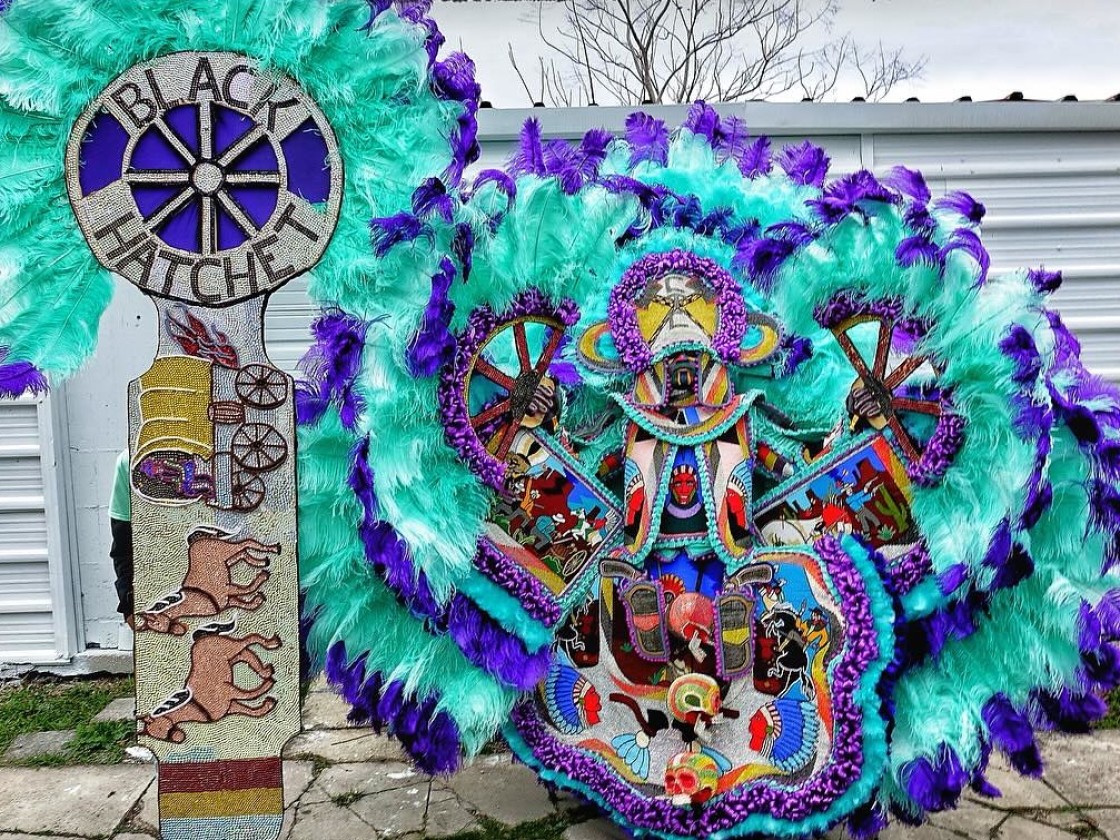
(742, 499)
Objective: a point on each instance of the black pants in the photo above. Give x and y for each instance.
(121, 552)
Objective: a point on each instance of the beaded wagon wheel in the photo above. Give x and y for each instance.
(261, 386)
(884, 380)
(258, 447)
(205, 177)
(504, 373)
(248, 491)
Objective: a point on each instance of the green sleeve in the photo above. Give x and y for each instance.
(120, 504)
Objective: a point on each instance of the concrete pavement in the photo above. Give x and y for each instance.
(353, 785)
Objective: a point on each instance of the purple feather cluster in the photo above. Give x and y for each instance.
(434, 345)
(429, 736)
(922, 248)
(481, 639)
(332, 365)
(18, 378)
(574, 166)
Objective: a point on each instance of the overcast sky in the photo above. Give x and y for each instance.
(983, 48)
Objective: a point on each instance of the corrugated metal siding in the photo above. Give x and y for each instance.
(1053, 199)
(27, 626)
(287, 324)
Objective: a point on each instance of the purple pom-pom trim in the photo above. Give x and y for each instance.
(431, 738)
(623, 317)
(907, 571)
(844, 768)
(454, 410)
(533, 595)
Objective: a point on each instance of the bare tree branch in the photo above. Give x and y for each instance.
(635, 51)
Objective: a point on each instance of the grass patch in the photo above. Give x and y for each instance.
(50, 705)
(1112, 719)
(550, 828)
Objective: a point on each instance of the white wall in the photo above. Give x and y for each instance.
(1049, 174)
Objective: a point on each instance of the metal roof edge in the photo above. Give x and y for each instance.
(827, 118)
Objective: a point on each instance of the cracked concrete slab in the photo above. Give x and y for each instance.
(447, 816)
(86, 801)
(318, 820)
(395, 813)
(1085, 770)
(344, 745)
(507, 792)
(353, 781)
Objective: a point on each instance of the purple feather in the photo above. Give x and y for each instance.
(1107, 612)
(310, 407)
(1013, 734)
(648, 138)
(795, 233)
(389, 231)
(376, 9)
(18, 378)
(1045, 281)
(464, 146)
(703, 120)
(332, 365)
(950, 580)
(1039, 499)
(1069, 712)
(454, 78)
(909, 182)
(797, 350)
(529, 157)
(1018, 567)
(1090, 633)
(647, 194)
(503, 182)
(967, 241)
(762, 259)
(1101, 667)
(867, 822)
(805, 164)
(431, 197)
(1019, 346)
(843, 196)
(576, 166)
(918, 217)
(963, 204)
(462, 246)
(918, 249)
(434, 345)
(935, 785)
(734, 138)
(756, 160)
